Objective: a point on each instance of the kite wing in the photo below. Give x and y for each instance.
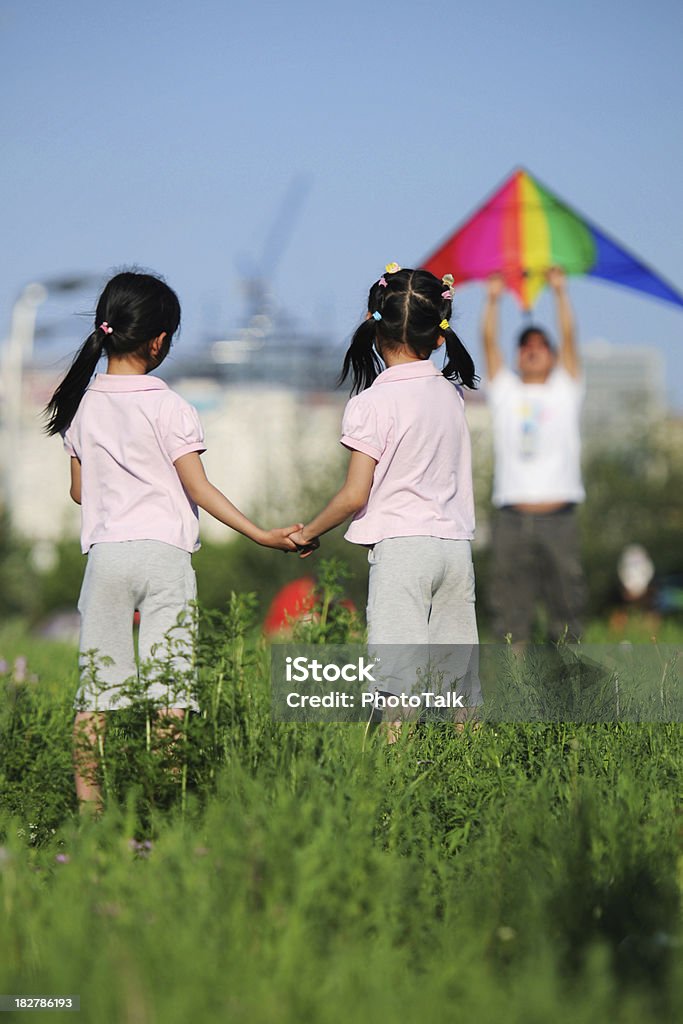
(523, 230)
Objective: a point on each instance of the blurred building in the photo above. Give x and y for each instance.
(272, 421)
(259, 355)
(625, 392)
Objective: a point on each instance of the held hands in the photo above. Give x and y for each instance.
(280, 538)
(304, 545)
(289, 538)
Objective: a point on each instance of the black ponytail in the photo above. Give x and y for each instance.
(361, 359)
(132, 310)
(459, 365)
(62, 407)
(411, 307)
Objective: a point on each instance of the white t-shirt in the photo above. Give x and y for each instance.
(536, 439)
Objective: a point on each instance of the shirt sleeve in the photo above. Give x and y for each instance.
(361, 430)
(68, 442)
(183, 432)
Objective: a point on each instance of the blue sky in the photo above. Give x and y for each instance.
(167, 135)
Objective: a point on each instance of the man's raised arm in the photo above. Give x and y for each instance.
(490, 330)
(568, 354)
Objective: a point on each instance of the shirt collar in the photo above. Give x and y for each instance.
(407, 371)
(122, 382)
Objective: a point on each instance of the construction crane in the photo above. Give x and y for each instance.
(258, 278)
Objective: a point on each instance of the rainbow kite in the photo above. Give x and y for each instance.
(523, 230)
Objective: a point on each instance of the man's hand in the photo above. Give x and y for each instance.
(557, 279)
(495, 286)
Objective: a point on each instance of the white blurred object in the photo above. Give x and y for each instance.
(635, 569)
(44, 555)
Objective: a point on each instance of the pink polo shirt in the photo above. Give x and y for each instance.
(127, 432)
(412, 421)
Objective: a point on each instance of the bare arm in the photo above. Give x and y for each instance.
(352, 496)
(490, 330)
(75, 490)
(568, 355)
(193, 478)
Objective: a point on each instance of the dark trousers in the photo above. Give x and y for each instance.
(536, 561)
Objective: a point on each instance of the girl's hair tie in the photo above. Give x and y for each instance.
(376, 315)
(449, 281)
(382, 282)
(444, 325)
(104, 326)
(392, 268)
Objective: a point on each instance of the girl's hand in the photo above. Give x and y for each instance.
(304, 545)
(280, 537)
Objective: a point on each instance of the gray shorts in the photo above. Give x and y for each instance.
(421, 611)
(421, 591)
(158, 581)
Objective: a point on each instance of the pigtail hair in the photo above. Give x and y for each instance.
(133, 309)
(459, 366)
(361, 361)
(62, 407)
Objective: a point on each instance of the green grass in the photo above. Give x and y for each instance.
(525, 873)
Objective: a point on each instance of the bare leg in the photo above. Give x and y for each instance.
(169, 724)
(391, 731)
(463, 716)
(169, 731)
(168, 714)
(88, 729)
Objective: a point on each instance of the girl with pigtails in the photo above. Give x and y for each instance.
(136, 472)
(409, 481)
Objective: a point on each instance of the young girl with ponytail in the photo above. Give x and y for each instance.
(136, 472)
(409, 481)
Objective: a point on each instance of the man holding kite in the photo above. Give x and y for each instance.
(520, 230)
(537, 472)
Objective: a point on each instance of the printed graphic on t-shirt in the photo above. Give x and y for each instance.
(531, 416)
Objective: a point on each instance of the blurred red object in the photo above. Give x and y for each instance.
(294, 601)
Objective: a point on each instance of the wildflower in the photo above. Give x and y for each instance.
(140, 848)
(20, 667)
(62, 858)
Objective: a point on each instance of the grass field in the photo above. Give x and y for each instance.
(269, 872)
